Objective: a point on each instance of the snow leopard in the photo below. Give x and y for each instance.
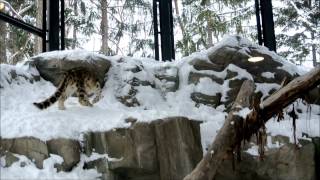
(79, 81)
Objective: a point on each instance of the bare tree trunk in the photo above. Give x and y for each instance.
(182, 27)
(75, 27)
(225, 139)
(14, 48)
(314, 51)
(104, 27)
(313, 46)
(228, 138)
(209, 28)
(38, 43)
(3, 42)
(179, 18)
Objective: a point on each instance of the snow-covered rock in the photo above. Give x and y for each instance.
(52, 65)
(200, 87)
(163, 149)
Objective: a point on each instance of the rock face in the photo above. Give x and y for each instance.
(68, 149)
(227, 54)
(10, 74)
(163, 149)
(33, 148)
(165, 78)
(286, 163)
(52, 68)
(179, 149)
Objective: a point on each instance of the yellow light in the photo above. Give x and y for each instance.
(255, 59)
(1, 6)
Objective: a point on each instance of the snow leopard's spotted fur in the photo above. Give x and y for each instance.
(79, 81)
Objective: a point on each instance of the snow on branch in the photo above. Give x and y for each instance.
(302, 17)
(11, 9)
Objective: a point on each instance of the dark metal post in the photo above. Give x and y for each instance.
(155, 28)
(53, 25)
(21, 24)
(166, 30)
(62, 24)
(44, 26)
(259, 34)
(269, 38)
(171, 29)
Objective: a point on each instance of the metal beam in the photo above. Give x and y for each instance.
(166, 30)
(155, 29)
(259, 33)
(21, 24)
(53, 25)
(44, 26)
(171, 29)
(62, 25)
(269, 38)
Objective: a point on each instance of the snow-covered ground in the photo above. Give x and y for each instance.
(20, 118)
(30, 171)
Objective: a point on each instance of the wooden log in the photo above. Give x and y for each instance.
(225, 139)
(297, 88)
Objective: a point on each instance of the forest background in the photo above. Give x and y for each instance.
(125, 27)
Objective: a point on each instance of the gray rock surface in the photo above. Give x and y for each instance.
(13, 76)
(194, 78)
(178, 146)
(200, 98)
(68, 149)
(9, 158)
(32, 148)
(227, 55)
(52, 69)
(163, 149)
(169, 79)
(285, 163)
(199, 65)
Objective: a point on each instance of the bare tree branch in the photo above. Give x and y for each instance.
(14, 12)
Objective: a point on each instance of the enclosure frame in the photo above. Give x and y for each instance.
(53, 36)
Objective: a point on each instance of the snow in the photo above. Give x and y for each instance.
(232, 41)
(269, 75)
(207, 86)
(265, 88)
(19, 118)
(253, 150)
(243, 112)
(26, 168)
(76, 55)
(307, 122)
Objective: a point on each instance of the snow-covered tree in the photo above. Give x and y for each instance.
(80, 17)
(19, 44)
(204, 22)
(298, 27)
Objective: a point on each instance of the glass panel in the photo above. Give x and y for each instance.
(17, 45)
(298, 31)
(29, 11)
(201, 24)
(126, 30)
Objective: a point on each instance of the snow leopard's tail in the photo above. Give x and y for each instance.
(52, 99)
